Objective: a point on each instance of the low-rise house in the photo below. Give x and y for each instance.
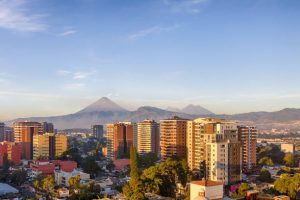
(62, 177)
(206, 189)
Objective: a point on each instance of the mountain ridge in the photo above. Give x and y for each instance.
(106, 111)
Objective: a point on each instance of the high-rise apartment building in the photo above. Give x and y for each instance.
(248, 139)
(48, 127)
(23, 133)
(9, 134)
(2, 131)
(13, 151)
(173, 138)
(147, 137)
(213, 149)
(49, 145)
(119, 139)
(97, 131)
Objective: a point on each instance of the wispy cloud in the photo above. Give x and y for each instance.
(14, 15)
(151, 30)
(186, 6)
(68, 32)
(77, 75)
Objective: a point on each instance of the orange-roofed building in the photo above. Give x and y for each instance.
(206, 189)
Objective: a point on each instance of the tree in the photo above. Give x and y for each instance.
(264, 176)
(266, 161)
(288, 185)
(87, 192)
(71, 154)
(133, 190)
(6, 163)
(244, 187)
(161, 179)
(147, 160)
(48, 183)
(289, 159)
(90, 166)
(18, 177)
(74, 182)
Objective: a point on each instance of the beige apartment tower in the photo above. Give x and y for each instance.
(248, 139)
(147, 137)
(213, 149)
(49, 145)
(173, 138)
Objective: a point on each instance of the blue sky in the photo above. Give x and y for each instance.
(229, 56)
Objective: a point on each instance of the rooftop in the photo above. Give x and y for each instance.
(207, 183)
(5, 189)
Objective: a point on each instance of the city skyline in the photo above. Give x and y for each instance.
(227, 56)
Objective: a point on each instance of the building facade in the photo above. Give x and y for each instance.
(48, 127)
(13, 151)
(97, 131)
(2, 132)
(147, 137)
(213, 149)
(119, 139)
(49, 145)
(173, 138)
(248, 139)
(206, 189)
(23, 133)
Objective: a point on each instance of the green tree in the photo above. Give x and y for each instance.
(74, 182)
(161, 179)
(18, 177)
(244, 187)
(289, 159)
(133, 190)
(264, 176)
(147, 160)
(288, 185)
(265, 161)
(90, 166)
(6, 164)
(48, 183)
(87, 192)
(71, 154)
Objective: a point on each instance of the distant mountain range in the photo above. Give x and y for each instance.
(106, 111)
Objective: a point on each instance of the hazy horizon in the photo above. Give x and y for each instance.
(229, 56)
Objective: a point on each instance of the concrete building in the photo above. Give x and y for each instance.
(98, 131)
(147, 137)
(119, 139)
(9, 134)
(248, 139)
(288, 148)
(13, 151)
(23, 133)
(48, 127)
(205, 189)
(62, 177)
(173, 138)
(49, 145)
(213, 149)
(2, 132)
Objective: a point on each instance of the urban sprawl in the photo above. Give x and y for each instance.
(175, 158)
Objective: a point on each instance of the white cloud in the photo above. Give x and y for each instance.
(14, 15)
(68, 32)
(78, 75)
(186, 6)
(151, 30)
